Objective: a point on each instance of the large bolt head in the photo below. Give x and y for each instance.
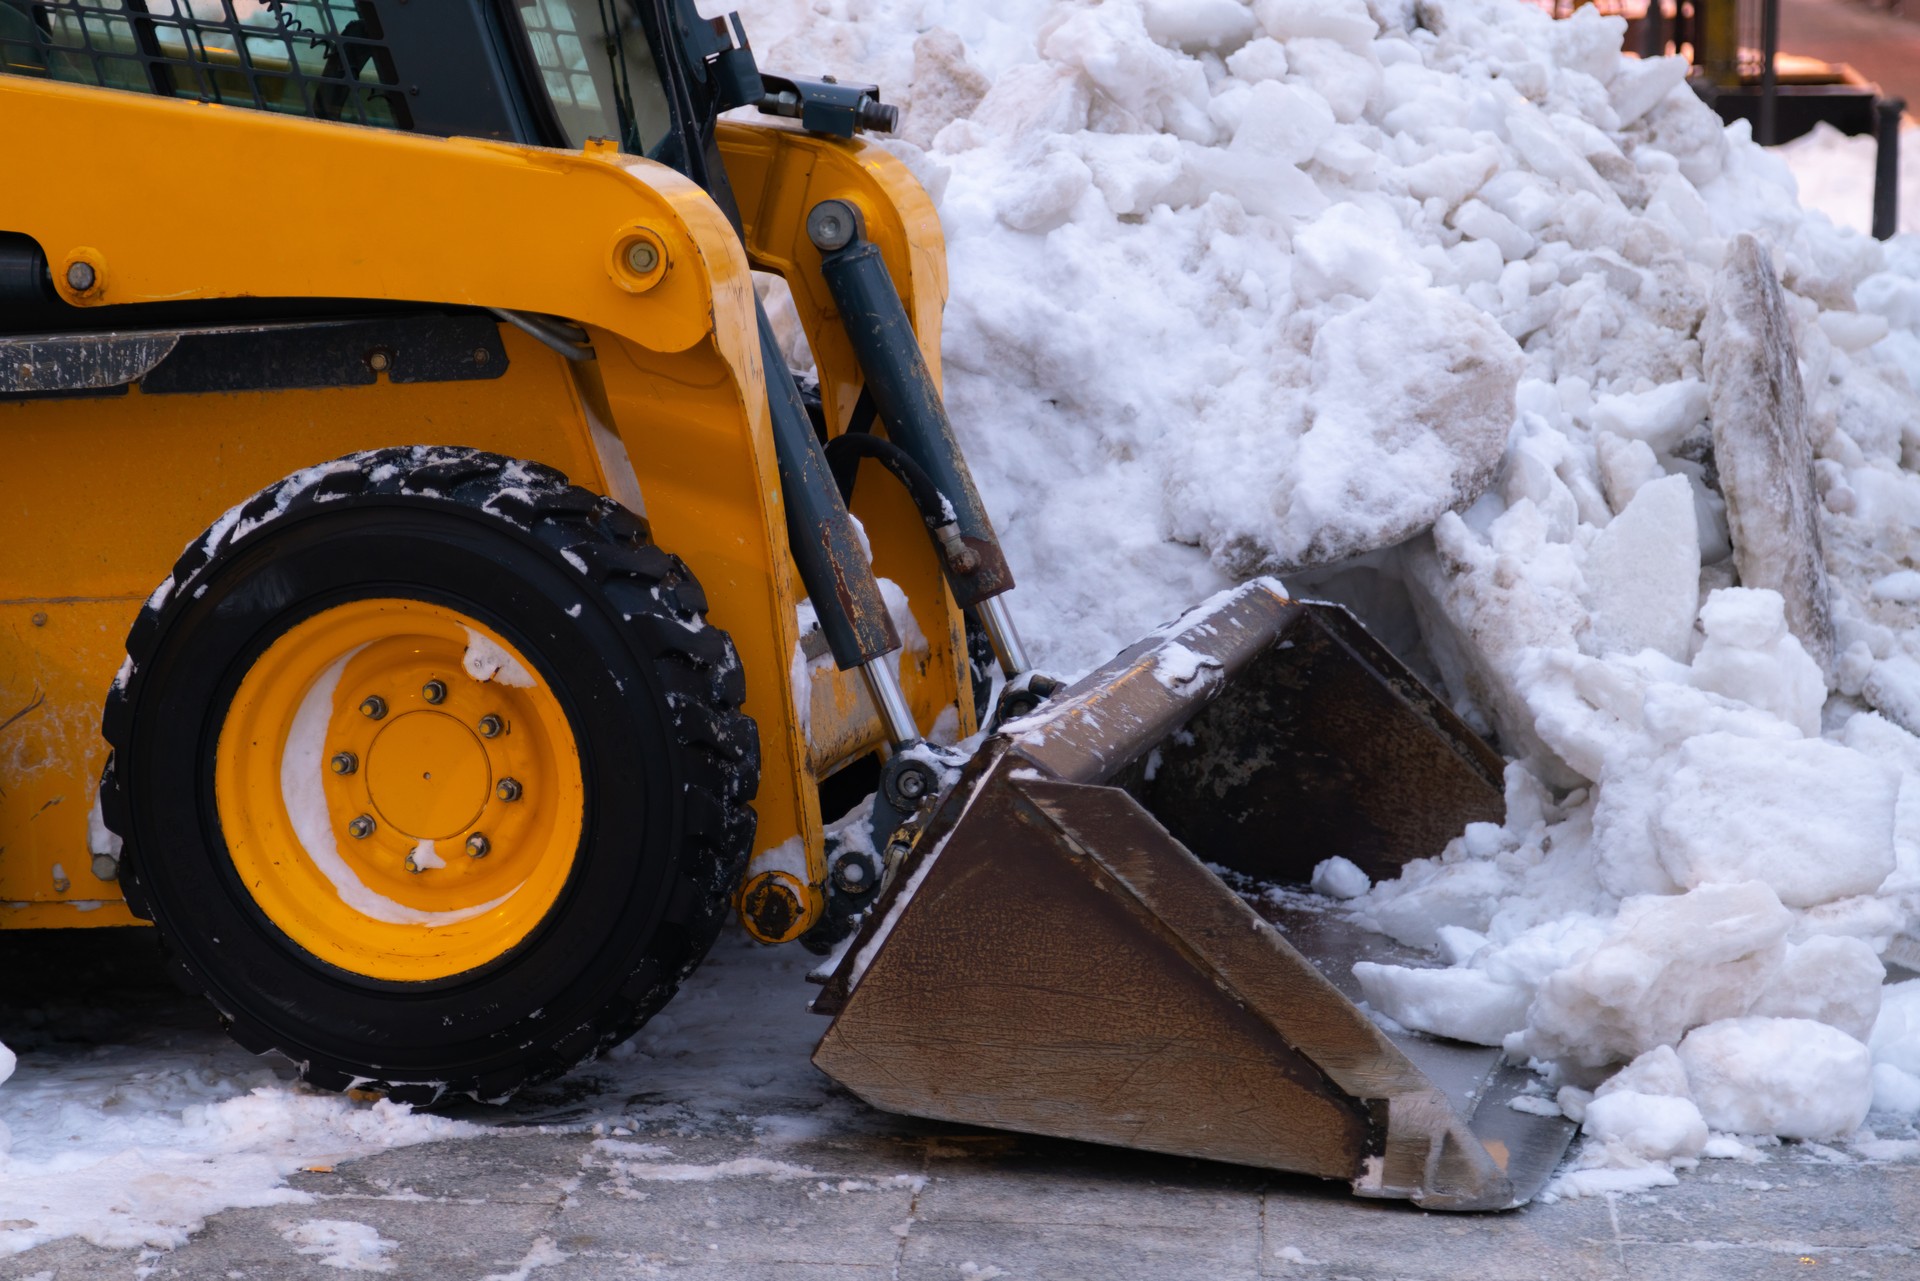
(373, 707)
(106, 867)
(434, 692)
(642, 257)
(853, 873)
(491, 726)
(344, 762)
(508, 790)
(832, 225)
(80, 277)
(412, 866)
(361, 827)
(479, 846)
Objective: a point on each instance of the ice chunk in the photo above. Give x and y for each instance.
(1661, 417)
(1639, 85)
(1625, 465)
(1411, 400)
(1286, 125)
(1830, 979)
(1351, 249)
(1657, 1127)
(1670, 963)
(1338, 877)
(1894, 1090)
(1760, 443)
(1896, 1032)
(1467, 1005)
(1199, 24)
(1901, 585)
(1643, 572)
(1346, 21)
(1791, 1077)
(1658, 1071)
(1853, 330)
(1750, 657)
(1811, 819)
(1892, 688)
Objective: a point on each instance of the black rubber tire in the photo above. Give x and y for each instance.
(616, 628)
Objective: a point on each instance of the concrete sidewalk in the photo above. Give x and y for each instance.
(711, 1150)
(1883, 47)
(908, 1202)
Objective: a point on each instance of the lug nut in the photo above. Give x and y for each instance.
(509, 789)
(345, 762)
(361, 828)
(373, 707)
(478, 846)
(434, 692)
(412, 866)
(490, 726)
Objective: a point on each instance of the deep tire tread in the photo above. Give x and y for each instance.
(609, 549)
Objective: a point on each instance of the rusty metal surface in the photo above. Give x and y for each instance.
(1477, 1080)
(1025, 987)
(1323, 745)
(1297, 737)
(1053, 957)
(1064, 967)
(79, 362)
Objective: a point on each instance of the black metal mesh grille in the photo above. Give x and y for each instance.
(320, 58)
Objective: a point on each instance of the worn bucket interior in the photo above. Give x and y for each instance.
(1056, 956)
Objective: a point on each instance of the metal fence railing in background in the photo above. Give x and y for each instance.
(1740, 71)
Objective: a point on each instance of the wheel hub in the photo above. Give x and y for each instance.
(428, 776)
(389, 811)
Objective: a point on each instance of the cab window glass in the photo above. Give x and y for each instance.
(320, 58)
(598, 70)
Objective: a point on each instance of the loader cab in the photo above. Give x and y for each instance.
(539, 72)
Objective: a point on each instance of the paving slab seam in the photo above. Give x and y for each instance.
(913, 1209)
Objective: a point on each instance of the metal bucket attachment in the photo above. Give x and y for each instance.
(1055, 957)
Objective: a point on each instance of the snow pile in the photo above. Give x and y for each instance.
(136, 1145)
(1451, 311)
(1835, 174)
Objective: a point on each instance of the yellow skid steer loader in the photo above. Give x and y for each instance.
(524, 628)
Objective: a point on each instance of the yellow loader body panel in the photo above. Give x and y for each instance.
(102, 493)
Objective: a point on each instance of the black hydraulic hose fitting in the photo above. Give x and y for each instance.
(932, 505)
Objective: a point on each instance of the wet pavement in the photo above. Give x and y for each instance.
(712, 1150)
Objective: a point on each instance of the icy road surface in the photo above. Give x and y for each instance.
(711, 1148)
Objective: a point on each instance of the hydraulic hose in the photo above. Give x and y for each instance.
(927, 498)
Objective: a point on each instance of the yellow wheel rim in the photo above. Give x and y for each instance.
(399, 789)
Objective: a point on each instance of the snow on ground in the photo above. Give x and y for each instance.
(131, 1116)
(1409, 305)
(1444, 310)
(1835, 174)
